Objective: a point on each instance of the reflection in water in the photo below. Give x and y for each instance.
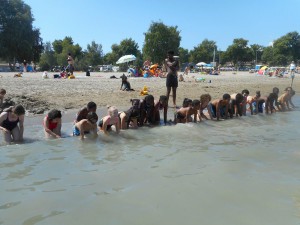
(240, 171)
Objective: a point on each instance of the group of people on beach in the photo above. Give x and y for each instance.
(146, 111)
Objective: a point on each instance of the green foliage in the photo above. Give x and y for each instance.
(94, 54)
(203, 52)
(63, 47)
(126, 47)
(47, 60)
(18, 39)
(159, 39)
(256, 53)
(239, 52)
(183, 55)
(284, 50)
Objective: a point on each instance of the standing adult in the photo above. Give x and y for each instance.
(17, 66)
(9, 121)
(24, 66)
(172, 66)
(70, 66)
(292, 67)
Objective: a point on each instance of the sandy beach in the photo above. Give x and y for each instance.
(39, 95)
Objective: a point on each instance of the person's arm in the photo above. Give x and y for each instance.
(80, 128)
(46, 128)
(199, 112)
(251, 106)
(218, 110)
(128, 117)
(226, 110)
(187, 116)
(236, 111)
(21, 126)
(244, 107)
(172, 65)
(267, 106)
(117, 125)
(104, 126)
(165, 114)
(195, 116)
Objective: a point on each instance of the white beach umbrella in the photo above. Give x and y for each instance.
(201, 64)
(126, 59)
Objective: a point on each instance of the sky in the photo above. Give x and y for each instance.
(108, 22)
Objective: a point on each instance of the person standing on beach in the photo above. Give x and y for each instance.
(172, 66)
(24, 66)
(70, 67)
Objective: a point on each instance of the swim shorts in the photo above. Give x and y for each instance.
(172, 80)
(76, 131)
(212, 109)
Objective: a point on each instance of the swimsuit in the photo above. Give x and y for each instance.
(52, 125)
(10, 125)
(179, 116)
(108, 127)
(76, 131)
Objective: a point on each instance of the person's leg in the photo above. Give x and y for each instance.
(16, 134)
(71, 69)
(174, 96)
(168, 92)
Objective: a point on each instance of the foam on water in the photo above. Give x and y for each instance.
(240, 171)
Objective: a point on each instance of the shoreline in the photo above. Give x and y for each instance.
(70, 95)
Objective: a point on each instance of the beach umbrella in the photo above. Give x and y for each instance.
(201, 64)
(126, 59)
(154, 66)
(264, 68)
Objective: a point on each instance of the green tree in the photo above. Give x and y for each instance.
(94, 54)
(159, 39)
(285, 49)
(239, 52)
(18, 39)
(256, 52)
(47, 60)
(65, 46)
(126, 47)
(203, 52)
(183, 55)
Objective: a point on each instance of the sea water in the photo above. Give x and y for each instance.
(239, 171)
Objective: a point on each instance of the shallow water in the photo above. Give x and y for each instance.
(240, 171)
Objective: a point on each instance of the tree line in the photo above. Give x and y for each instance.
(19, 40)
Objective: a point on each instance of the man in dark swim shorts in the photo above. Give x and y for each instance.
(172, 66)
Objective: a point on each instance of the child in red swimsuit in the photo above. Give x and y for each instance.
(52, 124)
